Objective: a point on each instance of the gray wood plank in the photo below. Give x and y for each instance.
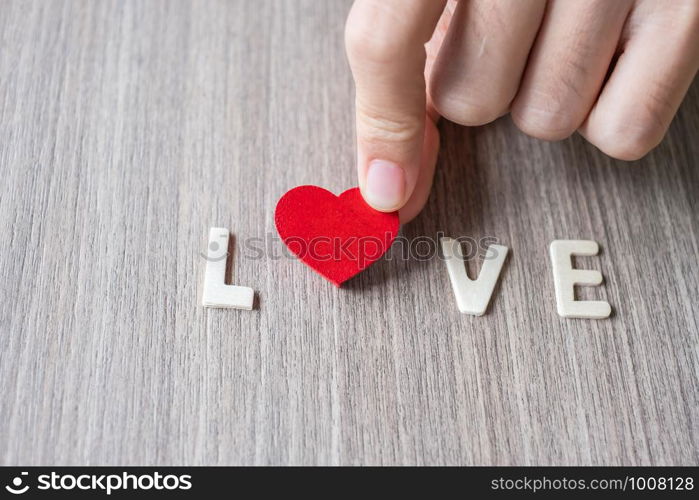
(131, 127)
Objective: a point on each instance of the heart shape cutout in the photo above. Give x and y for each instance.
(336, 236)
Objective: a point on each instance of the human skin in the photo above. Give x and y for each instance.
(615, 71)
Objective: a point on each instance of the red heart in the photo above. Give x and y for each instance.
(337, 236)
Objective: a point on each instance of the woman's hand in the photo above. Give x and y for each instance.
(614, 70)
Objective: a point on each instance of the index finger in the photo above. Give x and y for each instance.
(385, 42)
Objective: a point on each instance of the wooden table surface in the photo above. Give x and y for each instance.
(129, 128)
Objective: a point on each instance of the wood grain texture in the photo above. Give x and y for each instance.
(129, 128)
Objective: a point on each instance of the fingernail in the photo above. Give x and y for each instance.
(385, 185)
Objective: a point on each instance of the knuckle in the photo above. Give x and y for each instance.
(625, 148)
(628, 143)
(553, 109)
(380, 129)
(458, 108)
(542, 122)
(632, 134)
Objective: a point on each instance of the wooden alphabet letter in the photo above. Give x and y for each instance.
(565, 277)
(216, 292)
(473, 296)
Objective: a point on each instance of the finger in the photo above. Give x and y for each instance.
(651, 77)
(385, 47)
(482, 59)
(567, 66)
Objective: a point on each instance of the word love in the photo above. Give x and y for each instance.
(473, 296)
(340, 236)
